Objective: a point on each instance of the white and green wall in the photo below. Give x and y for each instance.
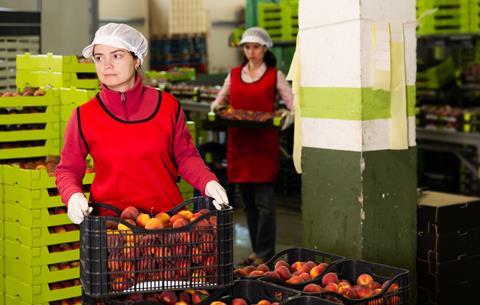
(357, 100)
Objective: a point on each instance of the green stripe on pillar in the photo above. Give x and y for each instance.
(350, 103)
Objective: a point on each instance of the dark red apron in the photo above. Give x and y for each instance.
(253, 153)
(133, 160)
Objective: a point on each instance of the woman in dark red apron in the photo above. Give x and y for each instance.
(253, 154)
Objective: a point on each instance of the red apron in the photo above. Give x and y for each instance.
(253, 153)
(133, 160)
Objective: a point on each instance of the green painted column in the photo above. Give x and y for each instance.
(357, 100)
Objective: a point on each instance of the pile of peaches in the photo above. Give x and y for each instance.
(186, 297)
(27, 91)
(183, 255)
(48, 163)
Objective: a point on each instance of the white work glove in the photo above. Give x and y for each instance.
(288, 118)
(78, 208)
(215, 106)
(217, 192)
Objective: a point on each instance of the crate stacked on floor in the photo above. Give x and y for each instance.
(56, 71)
(280, 20)
(474, 16)
(41, 244)
(450, 17)
(448, 249)
(19, 33)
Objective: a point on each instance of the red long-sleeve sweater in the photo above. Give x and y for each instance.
(140, 103)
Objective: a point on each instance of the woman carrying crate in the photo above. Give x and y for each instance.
(136, 135)
(253, 154)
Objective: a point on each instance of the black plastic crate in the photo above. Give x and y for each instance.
(198, 255)
(293, 255)
(307, 300)
(388, 276)
(254, 291)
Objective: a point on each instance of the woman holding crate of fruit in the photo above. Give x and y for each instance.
(136, 135)
(253, 154)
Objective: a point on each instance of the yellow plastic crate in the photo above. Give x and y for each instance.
(53, 63)
(54, 79)
(32, 294)
(33, 218)
(15, 300)
(38, 274)
(33, 179)
(36, 237)
(34, 256)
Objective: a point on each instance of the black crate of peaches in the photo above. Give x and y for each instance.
(188, 247)
(294, 267)
(362, 282)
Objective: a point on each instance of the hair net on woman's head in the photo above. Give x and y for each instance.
(257, 35)
(120, 36)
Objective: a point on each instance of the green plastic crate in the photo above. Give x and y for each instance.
(50, 147)
(15, 300)
(54, 79)
(33, 179)
(33, 218)
(35, 256)
(37, 237)
(51, 131)
(30, 199)
(32, 294)
(53, 63)
(38, 274)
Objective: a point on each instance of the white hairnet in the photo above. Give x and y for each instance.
(257, 35)
(119, 36)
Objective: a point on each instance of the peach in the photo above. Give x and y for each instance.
(217, 303)
(365, 280)
(185, 214)
(181, 303)
(308, 266)
(164, 217)
(318, 270)
(264, 302)
(330, 277)
(153, 224)
(363, 291)
(305, 276)
(333, 287)
(168, 297)
(295, 280)
(283, 272)
(313, 288)
(238, 301)
(296, 266)
(129, 213)
(271, 274)
(393, 286)
(142, 219)
(350, 293)
(179, 223)
(343, 286)
(256, 273)
(281, 263)
(263, 267)
(249, 269)
(203, 211)
(240, 272)
(376, 285)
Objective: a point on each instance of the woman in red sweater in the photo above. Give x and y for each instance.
(136, 135)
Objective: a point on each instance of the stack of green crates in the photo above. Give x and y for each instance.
(474, 16)
(28, 204)
(437, 76)
(451, 17)
(18, 139)
(2, 243)
(55, 70)
(279, 19)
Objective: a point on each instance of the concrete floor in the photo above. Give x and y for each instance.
(289, 231)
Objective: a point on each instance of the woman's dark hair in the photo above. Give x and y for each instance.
(269, 59)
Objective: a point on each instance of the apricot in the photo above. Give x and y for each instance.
(186, 214)
(129, 213)
(249, 269)
(256, 273)
(296, 266)
(142, 219)
(313, 288)
(217, 303)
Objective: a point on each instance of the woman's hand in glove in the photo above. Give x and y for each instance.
(288, 118)
(78, 208)
(217, 192)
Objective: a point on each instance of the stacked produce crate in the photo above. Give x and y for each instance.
(56, 71)
(41, 244)
(279, 19)
(186, 50)
(451, 17)
(448, 248)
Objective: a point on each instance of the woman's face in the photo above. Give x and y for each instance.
(254, 52)
(115, 67)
